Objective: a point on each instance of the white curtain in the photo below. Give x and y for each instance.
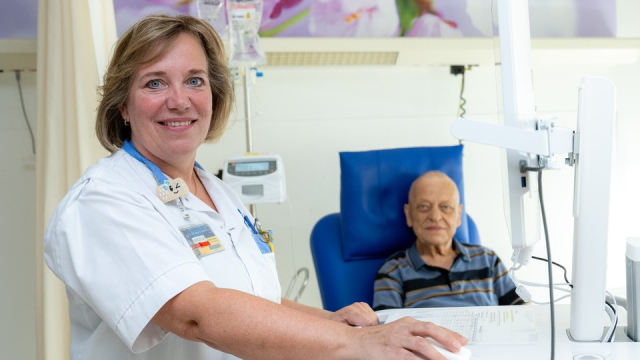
(74, 40)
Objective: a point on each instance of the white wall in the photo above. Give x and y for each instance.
(17, 219)
(308, 115)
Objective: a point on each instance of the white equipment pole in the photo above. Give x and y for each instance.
(247, 117)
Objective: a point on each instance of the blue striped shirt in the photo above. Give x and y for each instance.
(476, 278)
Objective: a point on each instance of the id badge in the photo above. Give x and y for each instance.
(202, 240)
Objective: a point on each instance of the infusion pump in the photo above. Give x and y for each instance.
(257, 178)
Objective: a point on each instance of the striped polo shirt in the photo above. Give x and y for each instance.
(477, 278)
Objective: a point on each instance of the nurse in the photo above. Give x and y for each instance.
(160, 259)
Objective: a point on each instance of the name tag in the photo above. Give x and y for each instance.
(202, 240)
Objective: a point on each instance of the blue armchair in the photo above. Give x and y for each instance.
(349, 247)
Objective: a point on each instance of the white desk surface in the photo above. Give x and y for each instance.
(565, 348)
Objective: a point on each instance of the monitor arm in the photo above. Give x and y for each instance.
(546, 141)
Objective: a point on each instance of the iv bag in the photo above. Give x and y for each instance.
(211, 11)
(244, 22)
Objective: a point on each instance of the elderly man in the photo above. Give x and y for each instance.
(437, 270)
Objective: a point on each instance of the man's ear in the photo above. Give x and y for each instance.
(407, 214)
(459, 215)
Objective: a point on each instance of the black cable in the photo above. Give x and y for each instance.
(524, 168)
(24, 112)
(463, 101)
(615, 323)
(566, 279)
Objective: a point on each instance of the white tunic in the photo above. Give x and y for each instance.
(121, 255)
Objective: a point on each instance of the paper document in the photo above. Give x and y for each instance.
(490, 325)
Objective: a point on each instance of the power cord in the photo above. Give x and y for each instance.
(460, 70)
(24, 112)
(613, 315)
(549, 265)
(521, 290)
(566, 279)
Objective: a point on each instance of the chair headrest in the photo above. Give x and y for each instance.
(374, 188)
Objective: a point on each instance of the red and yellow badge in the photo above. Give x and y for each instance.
(202, 240)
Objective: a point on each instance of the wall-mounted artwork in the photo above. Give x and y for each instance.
(431, 18)
(361, 18)
(391, 18)
(18, 19)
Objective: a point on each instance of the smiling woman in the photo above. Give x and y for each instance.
(170, 105)
(123, 75)
(160, 259)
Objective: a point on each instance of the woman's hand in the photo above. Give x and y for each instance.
(405, 339)
(356, 314)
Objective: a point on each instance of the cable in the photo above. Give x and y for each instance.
(549, 264)
(524, 168)
(614, 322)
(460, 70)
(549, 302)
(556, 286)
(24, 112)
(614, 318)
(462, 101)
(304, 270)
(609, 309)
(558, 265)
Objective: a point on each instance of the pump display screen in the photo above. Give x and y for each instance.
(253, 168)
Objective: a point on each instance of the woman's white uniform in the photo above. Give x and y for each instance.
(122, 254)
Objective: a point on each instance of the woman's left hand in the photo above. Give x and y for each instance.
(356, 314)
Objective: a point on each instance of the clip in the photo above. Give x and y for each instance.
(171, 189)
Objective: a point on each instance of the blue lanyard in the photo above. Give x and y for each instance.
(160, 177)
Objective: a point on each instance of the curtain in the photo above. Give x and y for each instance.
(74, 40)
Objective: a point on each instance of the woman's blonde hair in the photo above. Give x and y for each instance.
(143, 43)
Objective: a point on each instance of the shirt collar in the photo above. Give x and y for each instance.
(464, 252)
(417, 261)
(157, 173)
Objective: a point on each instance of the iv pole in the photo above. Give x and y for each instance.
(247, 118)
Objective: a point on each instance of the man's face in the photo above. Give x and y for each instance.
(434, 209)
